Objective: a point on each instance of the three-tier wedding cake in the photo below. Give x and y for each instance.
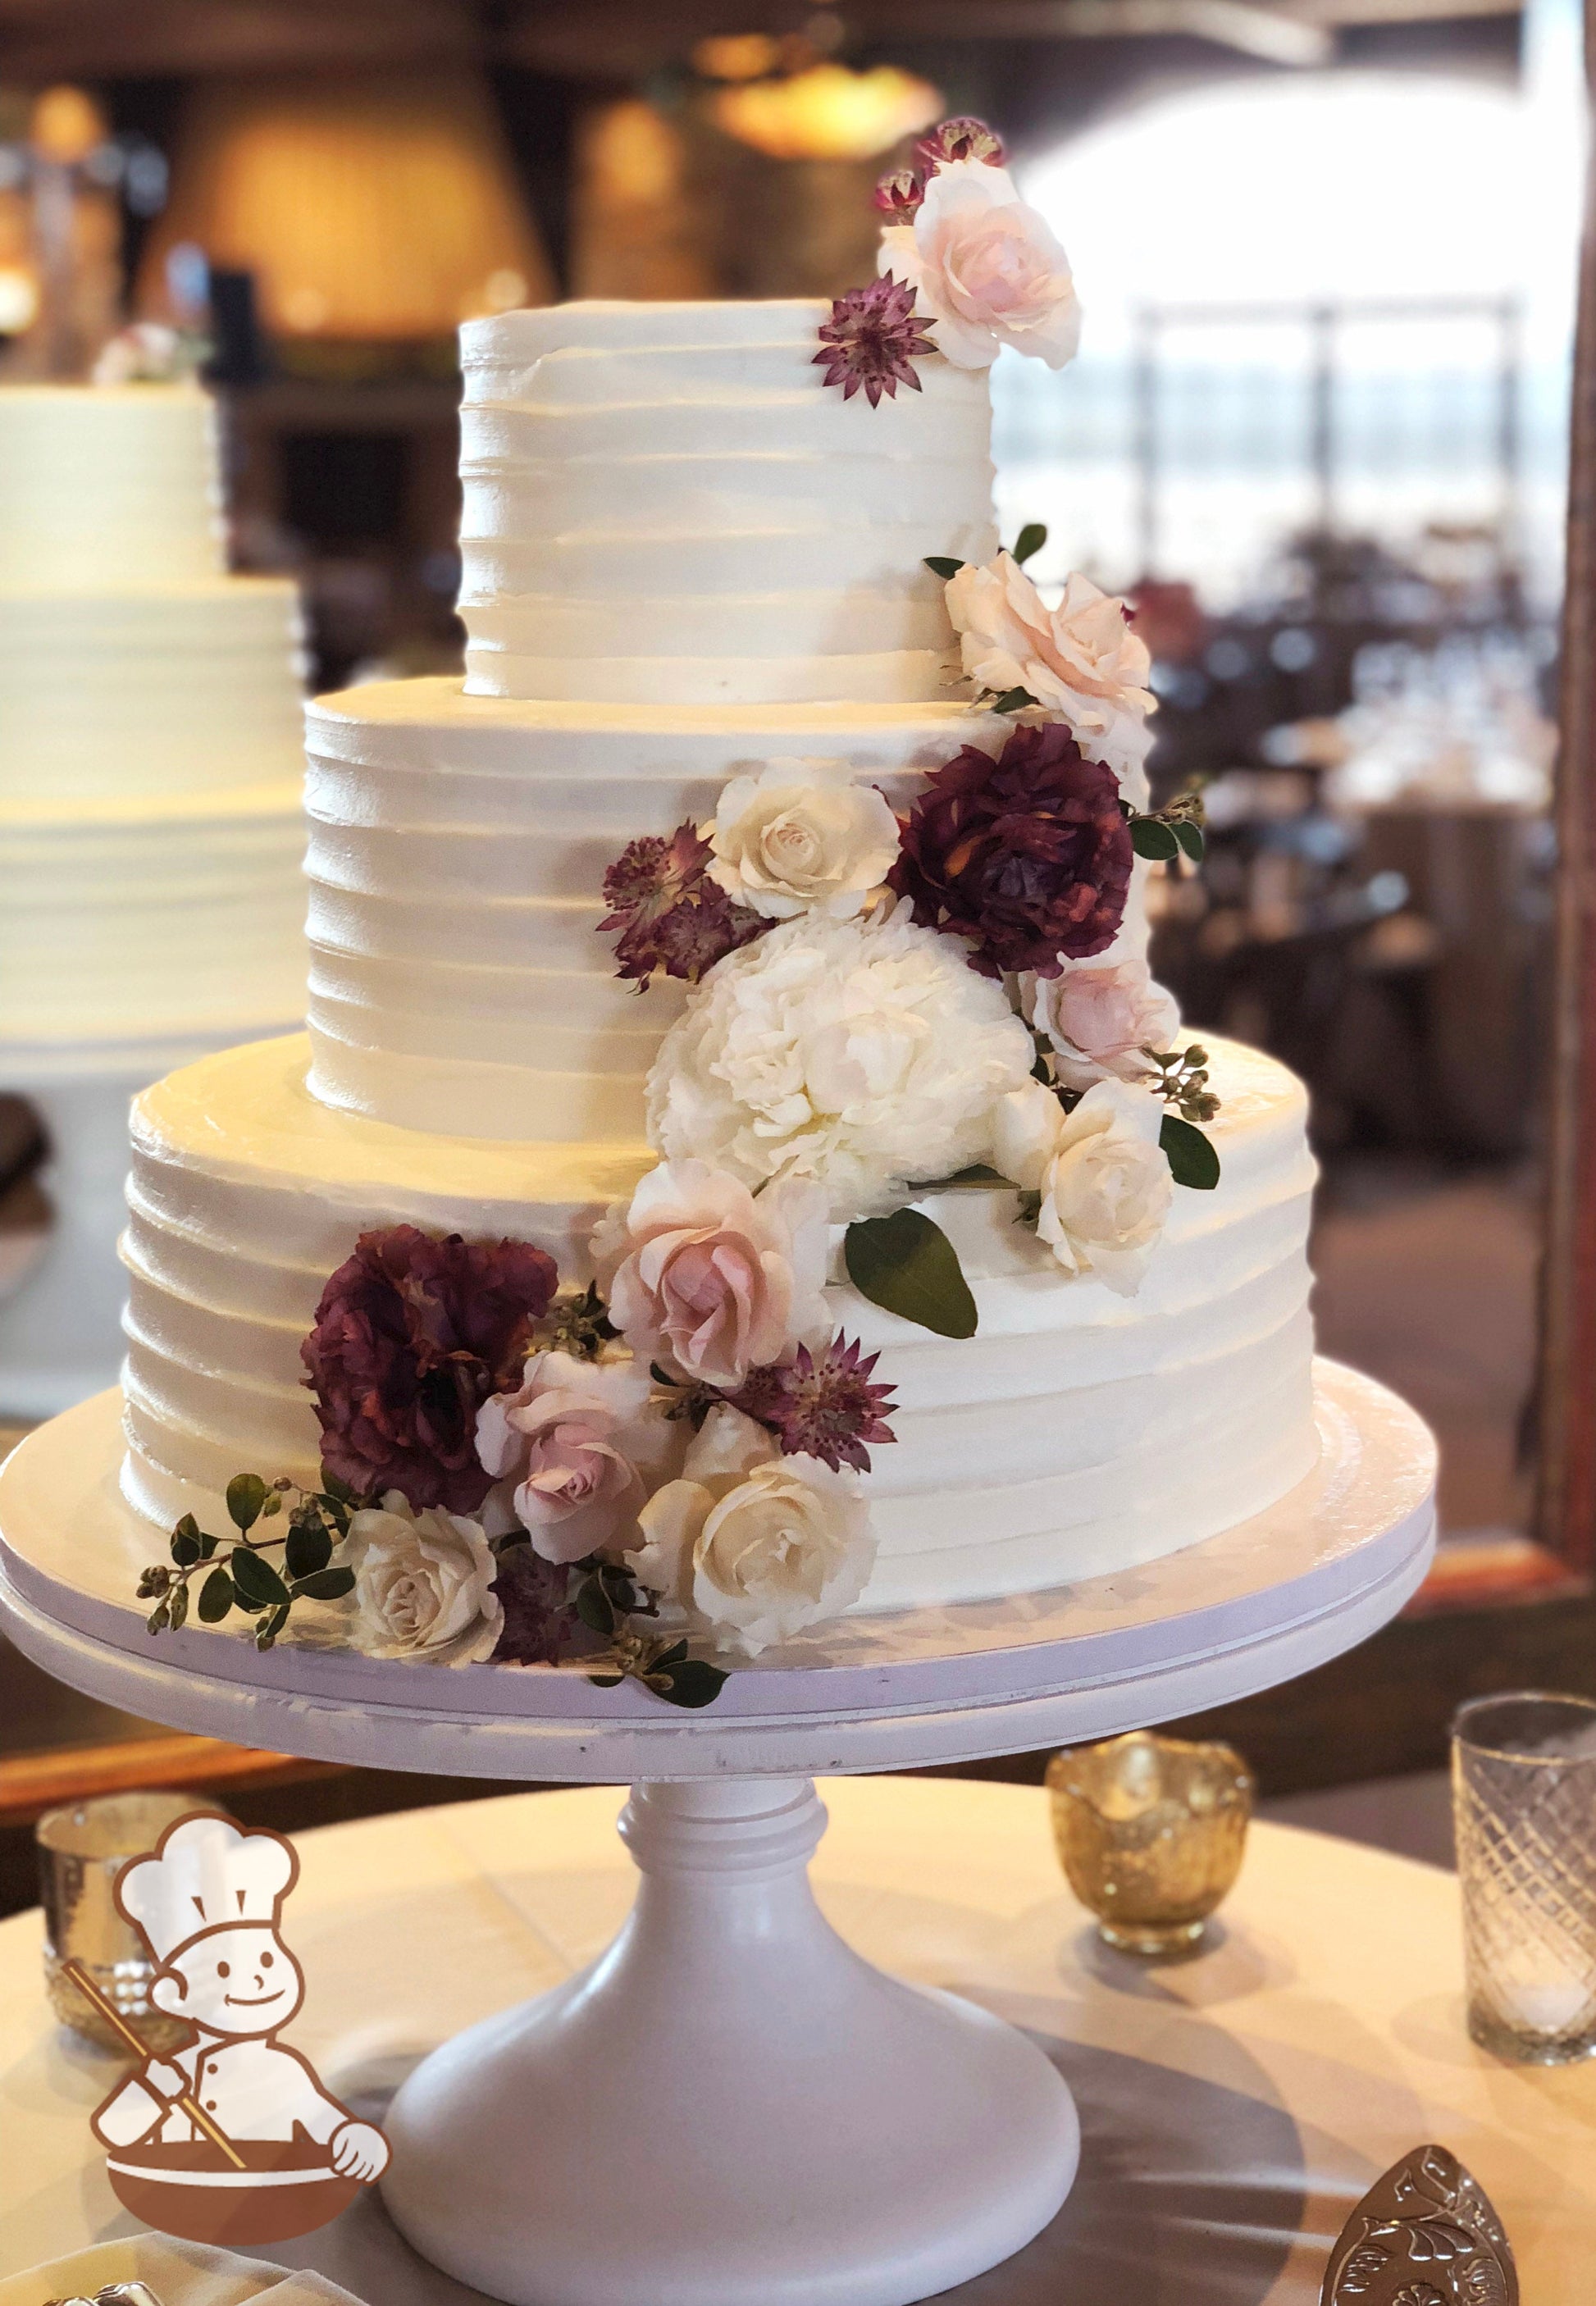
(150, 838)
(732, 1050)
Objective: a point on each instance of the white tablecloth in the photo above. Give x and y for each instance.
(1234, 2106)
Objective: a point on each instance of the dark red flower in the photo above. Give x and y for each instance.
(538, 1618)
(1029, 856)
(827, 1408)
(412, 1336)
(670, 914)
(960, 140)
(899, 196)
(872, 338)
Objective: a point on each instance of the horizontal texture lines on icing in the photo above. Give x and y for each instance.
(102, 486)
(677, 512)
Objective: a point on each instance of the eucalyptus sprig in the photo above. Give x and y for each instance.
(1165, 834)
(238, 1574)
(607, 1600)
(578, 1324)
(1182, 1080)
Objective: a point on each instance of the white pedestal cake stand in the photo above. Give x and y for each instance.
(730, 2108)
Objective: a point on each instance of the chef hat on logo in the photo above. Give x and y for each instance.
(204, 1874)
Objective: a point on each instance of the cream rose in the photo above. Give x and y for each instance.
(750, 1546)
(985, 268)
(423, 1585)
(802, 837)
(1101, 1173)
(701, 1276)
(1081, 661)
(567, 1451)
(1100, 1019)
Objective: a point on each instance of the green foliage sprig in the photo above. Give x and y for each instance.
(238, 1574)
(1166, 834)
(608, 1601)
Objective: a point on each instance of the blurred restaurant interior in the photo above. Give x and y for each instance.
(1327, 253)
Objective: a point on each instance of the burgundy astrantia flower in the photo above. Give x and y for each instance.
(412, 1336)
(669, 914)
(1029, 856)
(872, 338)
(828, 1408)
(899, 196)
(960, 139)
(538, 1618)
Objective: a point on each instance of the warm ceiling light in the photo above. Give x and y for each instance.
(19, 299)
(378, 209)
(827, 113)
(66, 125)
(736, 55)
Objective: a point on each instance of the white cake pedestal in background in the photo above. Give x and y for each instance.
(729, 2108)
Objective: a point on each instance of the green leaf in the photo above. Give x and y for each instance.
(908, 1265)
(977, 1173)
(186, 1549)
(216, 1598)
(674, 1655)
(940, 566)
(1149, 838)
(1192, 1160)
(308, 1549)
(692, 1684)
(606, 1680)
(1012, 700)
(159, 1617)
(187, 1527)
(208, 1544)
(327, 1585)
(1190, 836)
(268, 1630)
(246, 1495)
(273, 1505)
(259, 1585)
(344, 1495)
(1031, 540)
(593, 1607)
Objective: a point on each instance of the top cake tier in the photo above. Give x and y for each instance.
(663, 504)
(108, 488)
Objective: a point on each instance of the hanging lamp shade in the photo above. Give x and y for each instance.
(378, 208)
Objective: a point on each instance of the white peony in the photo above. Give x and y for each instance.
(987, 268)
(866, 1054)
(422, 1584)
(751, 1546)
(1101, 1173)
(1100, 1016)
(802, 837)
(1082, 662)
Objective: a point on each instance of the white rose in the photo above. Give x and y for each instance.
(1100, 1019)
(802, 837)
(1102, 1174)
(1081, 661)
(699, 1274)
(422, 1584)
(985, 268)
(752, 1546)
(866, 1054)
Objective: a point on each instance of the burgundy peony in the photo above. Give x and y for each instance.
(1029, 856)
(538, 1618)
(827, 1407)
(873, 338)
(412, 1336)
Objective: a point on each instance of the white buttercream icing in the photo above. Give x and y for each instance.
(664, 505)
(106, 486)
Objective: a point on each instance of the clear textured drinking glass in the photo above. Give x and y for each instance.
(81, 1852)
(1150, 1832)
(1524, 1793)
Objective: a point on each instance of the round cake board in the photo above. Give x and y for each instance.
(729, 2108)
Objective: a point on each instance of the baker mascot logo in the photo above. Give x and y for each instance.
(231, 2139)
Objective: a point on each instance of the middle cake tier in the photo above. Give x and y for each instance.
(458, 851)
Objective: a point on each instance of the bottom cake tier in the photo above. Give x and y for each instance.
(1075, 1433)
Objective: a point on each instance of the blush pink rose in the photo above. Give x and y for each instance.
(1100, 1021)
(701, 1276)
(1082, 660)
(565, 1452)
(986, 269)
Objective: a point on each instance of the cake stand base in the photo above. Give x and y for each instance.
(729, 2108)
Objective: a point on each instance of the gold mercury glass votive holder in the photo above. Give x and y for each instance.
(1150, 1832)
(82, 1849)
